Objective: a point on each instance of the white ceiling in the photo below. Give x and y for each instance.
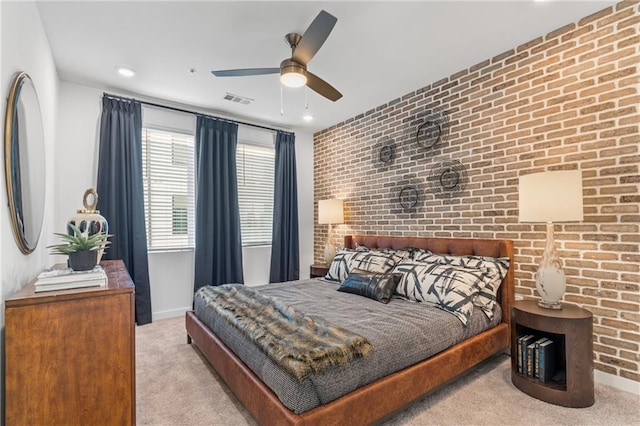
(378, 51)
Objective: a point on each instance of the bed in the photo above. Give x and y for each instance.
(390, 392)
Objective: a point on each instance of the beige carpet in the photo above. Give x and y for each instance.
(176, 386)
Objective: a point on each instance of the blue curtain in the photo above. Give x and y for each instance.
(121, 196)
(218, 252)
(285, 246)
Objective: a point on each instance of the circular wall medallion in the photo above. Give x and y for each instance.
(384, 153)
(427, 129)
(409, 197)
(387, 153)
(428, 134)
(447, 178)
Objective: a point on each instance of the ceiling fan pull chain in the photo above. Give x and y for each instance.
(306, 97)
(281, 107)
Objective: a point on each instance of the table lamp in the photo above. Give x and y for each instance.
(330, 212)
(550, 197)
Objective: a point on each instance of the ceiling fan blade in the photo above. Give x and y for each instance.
(245, 72)
(314, 37)
(321, 87)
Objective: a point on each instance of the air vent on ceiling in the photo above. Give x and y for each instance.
(237, 99)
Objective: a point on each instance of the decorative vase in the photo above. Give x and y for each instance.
(89, 220)
(83, 260)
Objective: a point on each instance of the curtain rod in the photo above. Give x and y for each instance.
(190, 112)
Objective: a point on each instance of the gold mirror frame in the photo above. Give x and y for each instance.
(24, 162)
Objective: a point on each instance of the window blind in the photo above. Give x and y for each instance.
(255, 167)
(169, 189)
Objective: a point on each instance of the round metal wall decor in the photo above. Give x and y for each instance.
(387, 153)
(384, 153)
(428, 129)
(409, 197)
(428, 134)
(447, 178)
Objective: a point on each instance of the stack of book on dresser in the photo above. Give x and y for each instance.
(61, 277)
(536, 357)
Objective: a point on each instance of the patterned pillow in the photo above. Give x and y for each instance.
(347, 260)
(494, 269)
(447, 287)
(398, 254)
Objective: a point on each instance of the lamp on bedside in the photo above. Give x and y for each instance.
(330, 212)
(550, 197)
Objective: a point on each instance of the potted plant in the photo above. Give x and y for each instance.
(81, 248)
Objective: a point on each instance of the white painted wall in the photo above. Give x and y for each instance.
(77, 147)
(170, 273)
(24, 47)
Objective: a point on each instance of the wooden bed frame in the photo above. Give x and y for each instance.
(388, 394)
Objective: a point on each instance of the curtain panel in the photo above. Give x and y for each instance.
(218, 248)
(285, 245)
(121, 194)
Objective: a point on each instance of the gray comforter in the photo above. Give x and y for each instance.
(402, 333)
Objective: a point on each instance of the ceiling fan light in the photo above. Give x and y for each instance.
(292, 74)
(293, 78)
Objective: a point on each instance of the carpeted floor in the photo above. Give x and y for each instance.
(176, 386)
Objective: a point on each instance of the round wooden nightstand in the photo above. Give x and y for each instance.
(570, 329)
(318, 270)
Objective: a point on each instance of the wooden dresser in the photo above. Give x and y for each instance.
(70, 354)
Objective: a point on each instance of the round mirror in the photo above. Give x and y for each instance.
(24, 162)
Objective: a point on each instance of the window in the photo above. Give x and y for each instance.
(169, 201)
(255, 164)
(169, 190)
(180, 215)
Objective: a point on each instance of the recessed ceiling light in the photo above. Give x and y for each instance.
(307, 117)
(126, 71)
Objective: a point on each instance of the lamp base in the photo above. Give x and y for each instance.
(329, 253)
(549, 305)
(550, 279)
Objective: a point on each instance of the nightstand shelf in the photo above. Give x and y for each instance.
(571, 331)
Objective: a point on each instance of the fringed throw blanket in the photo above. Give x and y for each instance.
(300, 344)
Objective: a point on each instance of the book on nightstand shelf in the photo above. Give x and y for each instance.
(535, 358)
(522, 343)
(546, 361)
(61, 277)
(531, 359)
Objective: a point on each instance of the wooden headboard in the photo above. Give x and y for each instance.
(455, 246)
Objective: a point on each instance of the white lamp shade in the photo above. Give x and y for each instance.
(330, 211)
(551, 196)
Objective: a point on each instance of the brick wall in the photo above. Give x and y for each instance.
(567, 100)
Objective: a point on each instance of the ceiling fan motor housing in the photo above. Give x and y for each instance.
(293, 74)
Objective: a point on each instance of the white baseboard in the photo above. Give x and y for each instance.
(169, 314)
(617, 382)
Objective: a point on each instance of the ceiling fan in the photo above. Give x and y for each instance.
(293, 71)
